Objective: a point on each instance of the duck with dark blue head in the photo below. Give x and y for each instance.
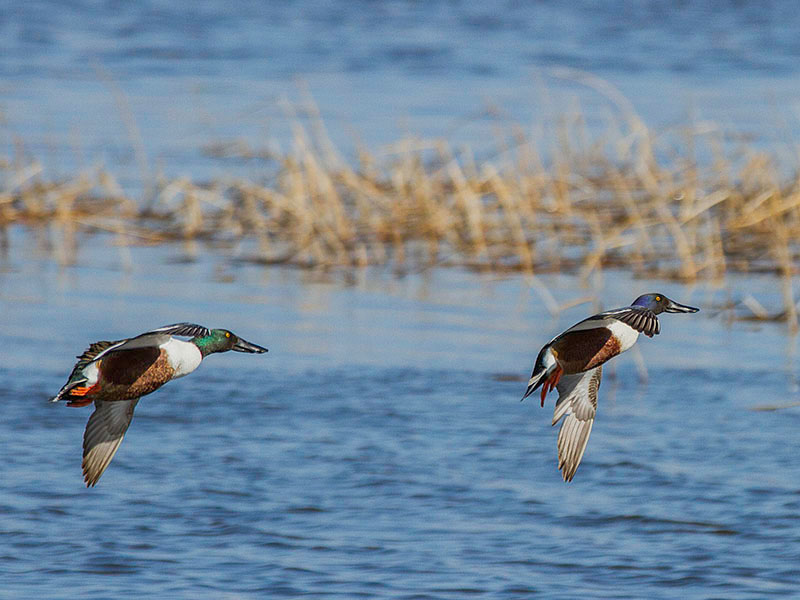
(572, 363)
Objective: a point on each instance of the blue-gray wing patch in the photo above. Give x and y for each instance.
(158, 337)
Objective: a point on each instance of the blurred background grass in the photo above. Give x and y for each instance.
(690, 204)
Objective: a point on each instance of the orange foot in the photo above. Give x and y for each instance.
(552, 381)
(76, 396)
(81, 391)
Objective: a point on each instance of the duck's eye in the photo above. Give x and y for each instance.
(227, 334)
(658, 298)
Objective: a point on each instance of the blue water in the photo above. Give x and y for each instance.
(380, 449)
(83, 83)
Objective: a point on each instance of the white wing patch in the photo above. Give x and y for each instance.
(577, 405)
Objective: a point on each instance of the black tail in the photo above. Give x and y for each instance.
(537, 376)
(68, 387)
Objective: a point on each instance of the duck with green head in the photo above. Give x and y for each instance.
(114, 375)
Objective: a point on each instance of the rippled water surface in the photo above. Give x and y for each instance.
(143, 86)
(380, 448)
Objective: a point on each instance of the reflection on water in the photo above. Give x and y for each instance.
(380, 448)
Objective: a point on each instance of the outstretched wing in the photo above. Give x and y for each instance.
(156, 337)
(182, 329)
(577, 405)
(640, 318)
(104, 433)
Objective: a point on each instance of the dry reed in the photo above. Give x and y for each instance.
(637, 202)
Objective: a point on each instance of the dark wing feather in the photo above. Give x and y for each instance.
(184, 329)
(641, 319)
(90, 354)
(97, 348)
(156, 337)
(104, 433)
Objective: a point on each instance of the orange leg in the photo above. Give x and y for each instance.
(78, 395)
(81, 391)
(551, 382)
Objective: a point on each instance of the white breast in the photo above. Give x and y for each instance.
(184, 357)
(626, 334)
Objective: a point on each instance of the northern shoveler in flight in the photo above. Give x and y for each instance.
(114, 375)
(572, 363)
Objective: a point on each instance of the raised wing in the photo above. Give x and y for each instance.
(156, 337)
(182, 329)
(104, 433)
(640, 318)
(577, 405)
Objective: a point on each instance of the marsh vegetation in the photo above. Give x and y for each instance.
(689, 204)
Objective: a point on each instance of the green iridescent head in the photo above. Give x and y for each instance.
(222, 340)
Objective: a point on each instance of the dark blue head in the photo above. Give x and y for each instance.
(659, 303)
